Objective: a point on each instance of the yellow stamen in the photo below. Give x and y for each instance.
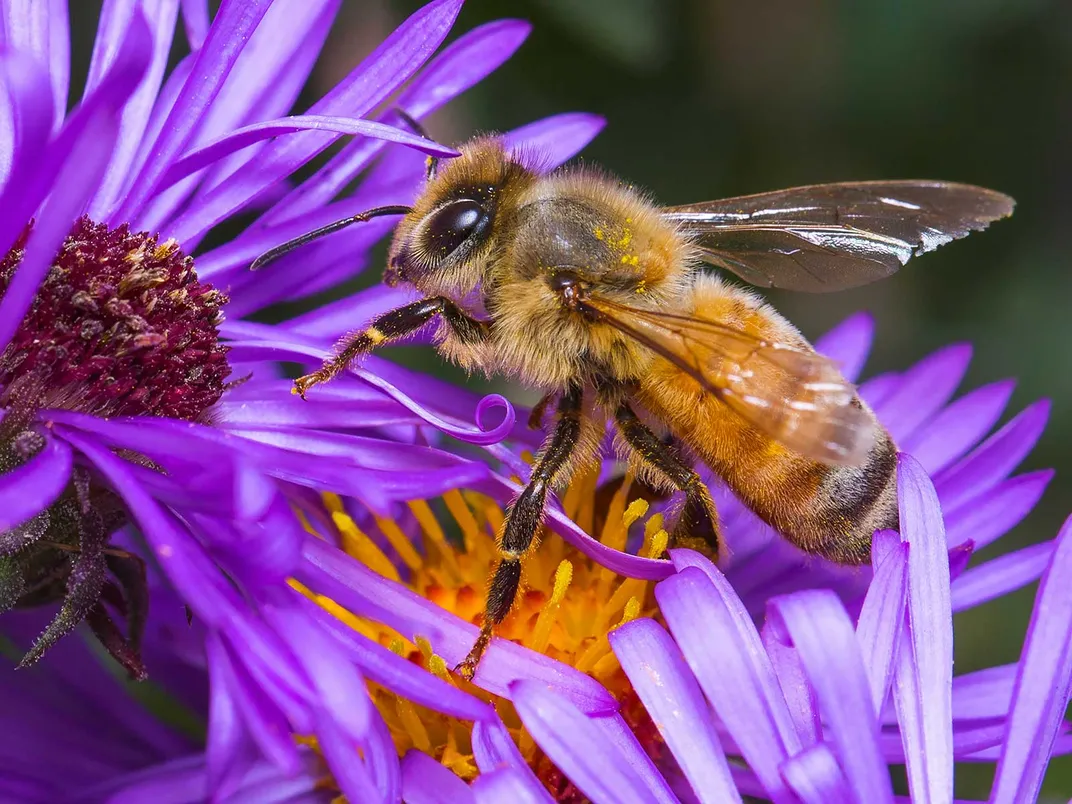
(548, 614)
(403, 546)
(565, 611)
(357, 543)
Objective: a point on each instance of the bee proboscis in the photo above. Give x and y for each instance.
(579, 286)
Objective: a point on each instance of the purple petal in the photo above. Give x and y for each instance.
(368, 85)
(32, 487)
(923, 390)
(798, 691)
(547, 143)
(816, 624)
(882, 615)
(115, 18)
(999, 510)
(264, 722)
(187, 567)
(75, 161)
(672, 697)
(992, 461)
(878, 388)
(494, 748)
(196, 22)
(849, 344)
(229, 33)
(229, 752)
(425, 781)
(286, 346)
(26, 121)
(335, 318)
(958, 427)
(349, 770)
(815, 776)
(1042, 684)
(930, 633)
(725, 654)
(510, 785)
(576, 746)
(329, 571)
(257, 132)
(340, 689)
(405, 679)
(460, 65)
(40, 28)
(1000, 575)
(984, 694)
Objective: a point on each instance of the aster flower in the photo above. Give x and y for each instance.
(782, 676)
(123, 401)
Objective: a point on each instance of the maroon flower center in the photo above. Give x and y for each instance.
(121, 326)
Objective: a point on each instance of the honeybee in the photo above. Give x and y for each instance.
(577, 285)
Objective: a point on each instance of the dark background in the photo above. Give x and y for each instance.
(711, 98)
(707, 98)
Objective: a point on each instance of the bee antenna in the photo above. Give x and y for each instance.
(432, 163)
(273, 254)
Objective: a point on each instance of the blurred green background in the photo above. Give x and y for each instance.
(710, 98)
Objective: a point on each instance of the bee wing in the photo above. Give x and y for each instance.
(827, 237)
(796, 397)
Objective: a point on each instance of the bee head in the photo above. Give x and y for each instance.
(445, 244)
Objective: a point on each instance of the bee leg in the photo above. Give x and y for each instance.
(391, 326)
(697, 527)
(523, 520)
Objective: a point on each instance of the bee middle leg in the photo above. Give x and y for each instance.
(523, 520)
(697, 527)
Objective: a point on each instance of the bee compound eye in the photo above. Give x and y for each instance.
(455, 223)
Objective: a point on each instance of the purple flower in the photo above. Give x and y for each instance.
(817, 676)
(138, 426)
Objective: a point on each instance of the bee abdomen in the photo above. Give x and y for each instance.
(852, 503)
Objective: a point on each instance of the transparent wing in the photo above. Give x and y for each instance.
(796, 397)
(827, 237)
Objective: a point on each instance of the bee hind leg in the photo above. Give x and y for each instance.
(697, 527)
(523, 520)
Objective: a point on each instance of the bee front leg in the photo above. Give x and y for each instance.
(697, 527)
(523, 520)
(389, 327)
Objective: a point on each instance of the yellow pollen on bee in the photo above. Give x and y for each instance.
(375, 336)
(598, 233)
(565, 609)
(630, 259)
